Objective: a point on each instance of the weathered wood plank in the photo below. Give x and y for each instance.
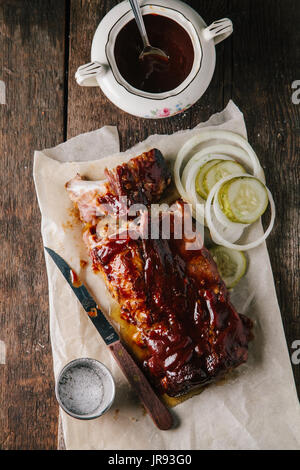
(32, 67)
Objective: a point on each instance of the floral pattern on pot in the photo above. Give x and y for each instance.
(167, 112)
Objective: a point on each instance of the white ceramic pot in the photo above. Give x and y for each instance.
(103, 71)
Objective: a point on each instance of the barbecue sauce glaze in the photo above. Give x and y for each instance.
(151, 74)
(174, 304)
(192, 333)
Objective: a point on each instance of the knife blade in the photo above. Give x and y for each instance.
(104, 328)
(156, 408)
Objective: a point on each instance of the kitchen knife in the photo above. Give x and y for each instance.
(155, 407)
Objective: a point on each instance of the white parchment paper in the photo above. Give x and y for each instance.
(257, 408)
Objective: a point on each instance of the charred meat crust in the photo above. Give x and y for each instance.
(175, 297)
(142, 180)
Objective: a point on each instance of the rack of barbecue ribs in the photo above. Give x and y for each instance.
(171, 293)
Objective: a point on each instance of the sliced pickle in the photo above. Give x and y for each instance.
(243, 199)
(231, 264)
(220, 170)
(200, 176)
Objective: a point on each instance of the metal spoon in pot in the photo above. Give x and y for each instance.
(148, 50)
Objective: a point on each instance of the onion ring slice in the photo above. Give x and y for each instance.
(215, 234)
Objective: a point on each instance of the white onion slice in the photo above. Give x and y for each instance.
(218, 151)
(188, 179)
(190, 184)
(231, 234)
(215, 233)
(208, 135)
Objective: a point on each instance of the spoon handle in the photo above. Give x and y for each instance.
(139, 20)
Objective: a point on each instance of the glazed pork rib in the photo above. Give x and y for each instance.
(173, 295)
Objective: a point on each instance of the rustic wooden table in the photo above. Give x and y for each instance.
(42, 42)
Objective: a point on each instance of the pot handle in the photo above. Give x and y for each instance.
(218, 30)
(87, 74)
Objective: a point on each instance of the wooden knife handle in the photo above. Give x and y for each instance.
(155, 407)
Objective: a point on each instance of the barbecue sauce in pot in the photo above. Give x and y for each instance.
(150, 74)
